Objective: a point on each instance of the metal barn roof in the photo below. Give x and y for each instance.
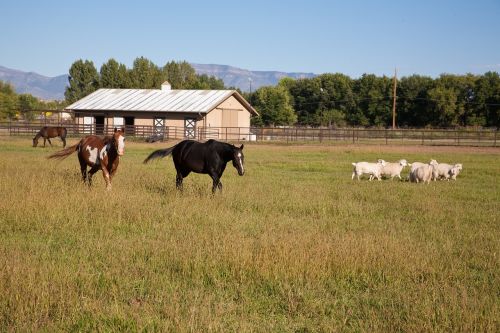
(156, 100)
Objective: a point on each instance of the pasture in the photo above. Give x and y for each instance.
(295, 245)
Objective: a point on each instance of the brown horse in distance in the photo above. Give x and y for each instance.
(48, 132)
(97, 153)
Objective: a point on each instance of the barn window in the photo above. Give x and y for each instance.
(88, 125)
(190, 127)
(118, 121)
(159, 126)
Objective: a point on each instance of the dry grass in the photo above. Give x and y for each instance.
(294, 245)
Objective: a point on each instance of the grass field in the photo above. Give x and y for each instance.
(293, 246)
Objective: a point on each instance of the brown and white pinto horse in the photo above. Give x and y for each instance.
(98, 154)
(48, 132)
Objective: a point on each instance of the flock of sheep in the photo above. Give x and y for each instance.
(419, 172)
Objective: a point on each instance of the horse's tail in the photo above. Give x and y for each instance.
(161, 153)
(62, 154)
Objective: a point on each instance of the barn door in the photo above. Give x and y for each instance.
(159, 127)
(99, 125)
(189, 128)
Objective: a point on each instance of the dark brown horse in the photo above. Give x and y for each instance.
(97, 153)
(48, 132)
(209, 157)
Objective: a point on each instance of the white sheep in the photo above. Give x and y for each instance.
(415, 165)
(393, 169)
(373, 169)
(455, 171)
(443, 170)
(423, 173)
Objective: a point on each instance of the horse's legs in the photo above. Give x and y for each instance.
(83, 168)
(216, 182)
(107, 177)
(178, 181)
(111, 174)
(91, 172)
(181, 174)
(64, 141)
(48, 139)
(44, 140)
(216, 176)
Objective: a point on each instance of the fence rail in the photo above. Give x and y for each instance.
(456, 137)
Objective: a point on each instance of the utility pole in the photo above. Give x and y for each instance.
(394, 99)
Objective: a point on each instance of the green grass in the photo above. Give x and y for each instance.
(293, 246)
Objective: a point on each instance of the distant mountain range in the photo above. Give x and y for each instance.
(47, 88)
(52, 88)
(243, 78)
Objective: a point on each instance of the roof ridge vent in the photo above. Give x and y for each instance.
(166, 86)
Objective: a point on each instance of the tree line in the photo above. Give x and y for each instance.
(338, 100)
(328, 100)
(13, 105)
(144, 74)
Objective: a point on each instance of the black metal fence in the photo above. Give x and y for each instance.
(456, 137)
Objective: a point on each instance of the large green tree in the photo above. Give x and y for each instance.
(308, 98)
(443, 102)
(273, 105)
(337, 100)
(8, 101)
(207, 82)
(461, 89)
(181, 75)
(114, 75)
(412, 101)
(487, 99)
(373, 100)
(27, 104)
(83, 80)
(146, 75)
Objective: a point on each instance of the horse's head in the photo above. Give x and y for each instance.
(35, 139)
(238, 160)
(119, 140)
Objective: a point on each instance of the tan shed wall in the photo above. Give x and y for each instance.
(143, 121)
(229, 113)
(233, 117)
(214, 118)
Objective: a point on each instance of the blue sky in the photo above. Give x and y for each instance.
(350, 37)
